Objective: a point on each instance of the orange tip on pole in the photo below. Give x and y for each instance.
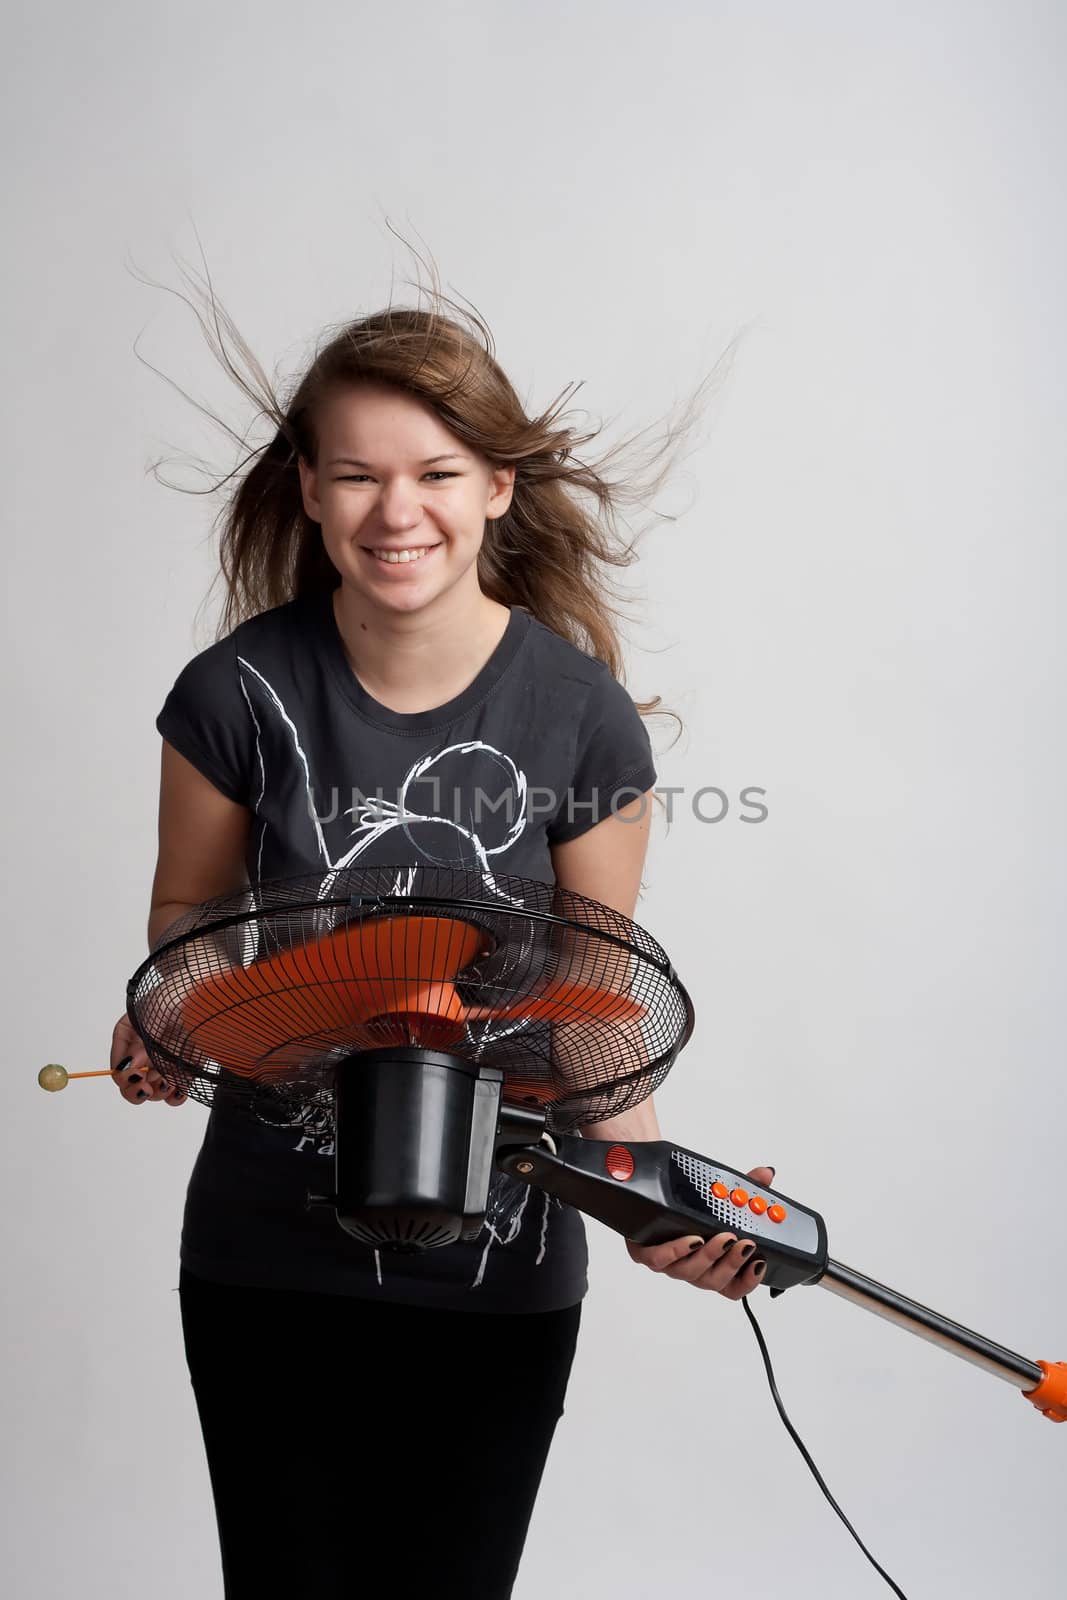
(1050, 1396)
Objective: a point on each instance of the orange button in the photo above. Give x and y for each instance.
(720, 1191)
(777, 1213)
(619, 1162)
(757, 1204)
(739, 1197)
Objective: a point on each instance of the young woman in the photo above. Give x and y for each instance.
(417, 609)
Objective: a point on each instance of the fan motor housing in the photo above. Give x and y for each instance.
(414, 1146)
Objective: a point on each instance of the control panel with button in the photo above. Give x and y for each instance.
(652, 1191)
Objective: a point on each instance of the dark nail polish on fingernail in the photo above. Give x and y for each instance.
(728, 1245)
(134, 1077)
(697, 1244)
(119, 1066)
(761, 1266)
(747, 1248)
(141, 1094)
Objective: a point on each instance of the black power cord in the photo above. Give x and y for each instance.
(794, 1435)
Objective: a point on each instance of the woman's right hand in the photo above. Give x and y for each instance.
(133, 1074)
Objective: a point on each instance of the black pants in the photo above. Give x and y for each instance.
(361, 1448)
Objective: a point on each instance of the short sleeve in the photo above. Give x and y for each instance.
(613, 761)
(207, 719)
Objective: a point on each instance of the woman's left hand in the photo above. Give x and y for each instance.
(720, 1264)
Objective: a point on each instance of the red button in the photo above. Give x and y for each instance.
(777, 1213)
(739, 1197)
(619, 1162)
(757, 1204)
(720, 1191)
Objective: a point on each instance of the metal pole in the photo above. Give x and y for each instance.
(957, 1340)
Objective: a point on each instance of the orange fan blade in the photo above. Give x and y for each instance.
(255, 1042)
(567, 1002)
(272, 1015)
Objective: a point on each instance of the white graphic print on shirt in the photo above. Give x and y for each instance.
(373, 821)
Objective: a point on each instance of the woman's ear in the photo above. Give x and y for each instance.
(501, 490)
(309, 489)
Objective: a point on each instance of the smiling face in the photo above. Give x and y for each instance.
(402, 501)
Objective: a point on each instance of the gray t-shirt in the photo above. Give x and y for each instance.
(532, 752)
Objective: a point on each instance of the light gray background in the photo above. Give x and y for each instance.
(858, 610)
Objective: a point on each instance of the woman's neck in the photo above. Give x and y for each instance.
(413, 662)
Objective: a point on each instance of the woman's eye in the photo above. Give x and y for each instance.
(353, 477)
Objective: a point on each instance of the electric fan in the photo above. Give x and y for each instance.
(453, 1022)
(449, 1023)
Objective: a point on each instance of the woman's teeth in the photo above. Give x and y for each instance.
(394, 556)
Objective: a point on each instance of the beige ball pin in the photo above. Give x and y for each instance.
(53, 1076)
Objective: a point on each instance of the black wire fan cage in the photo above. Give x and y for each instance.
(426, 1016)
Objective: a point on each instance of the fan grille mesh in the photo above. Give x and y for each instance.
(252, 998)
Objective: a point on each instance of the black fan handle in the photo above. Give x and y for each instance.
(654, 1191)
